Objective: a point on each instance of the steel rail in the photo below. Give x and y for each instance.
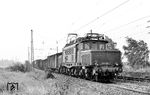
(127, 78)
(133, 90)
(114, 85)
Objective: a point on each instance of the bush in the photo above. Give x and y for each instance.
(20, 67)
(49, 74)
(28, 66)
(17, 67)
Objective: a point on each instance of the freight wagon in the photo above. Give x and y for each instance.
(54, 61)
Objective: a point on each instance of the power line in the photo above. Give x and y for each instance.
(103, 15)
(128, 23)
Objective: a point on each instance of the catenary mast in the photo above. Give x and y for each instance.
(32, 47)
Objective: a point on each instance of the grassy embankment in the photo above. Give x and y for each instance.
(30, 83)
(142, 72)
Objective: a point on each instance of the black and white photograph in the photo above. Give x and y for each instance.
(74, 47)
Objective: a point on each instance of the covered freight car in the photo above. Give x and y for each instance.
(54, 61)
(37, 64)
(44, 64)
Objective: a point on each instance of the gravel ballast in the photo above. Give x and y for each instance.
(73, 86)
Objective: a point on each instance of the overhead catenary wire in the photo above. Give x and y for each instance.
(131, 22)
(118, 6)
(118, 27)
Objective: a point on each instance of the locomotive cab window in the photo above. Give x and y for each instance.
(94, 45)
(101, 46)
(98, 46)
(108, 47)
(81, 46)
(86, 46)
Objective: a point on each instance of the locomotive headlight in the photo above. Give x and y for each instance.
(95, 62)
(83, 67)
(116, 64)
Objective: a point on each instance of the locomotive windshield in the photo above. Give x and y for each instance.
(94, 45)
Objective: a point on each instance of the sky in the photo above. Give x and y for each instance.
(52, 20)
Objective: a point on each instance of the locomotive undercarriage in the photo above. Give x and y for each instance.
(90, 73)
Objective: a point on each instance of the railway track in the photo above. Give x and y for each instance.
(132, 79)
(128, 79)
(131, 87)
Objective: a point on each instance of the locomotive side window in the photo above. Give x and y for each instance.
(86, 46)
(81, 46)
(108, 47)
(111, 46)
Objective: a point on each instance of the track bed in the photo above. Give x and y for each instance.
(86, 87)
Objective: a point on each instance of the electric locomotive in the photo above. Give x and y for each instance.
(93, 56)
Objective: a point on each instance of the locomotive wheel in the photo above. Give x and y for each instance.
(96, 78)
(60, 70)
(81, 75)
(68, 71)
(87, 74)
(74, 70)
(77, 70)
(64, 70)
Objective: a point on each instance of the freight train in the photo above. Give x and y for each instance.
(93, 56)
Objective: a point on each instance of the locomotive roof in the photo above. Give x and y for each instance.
(88, 37)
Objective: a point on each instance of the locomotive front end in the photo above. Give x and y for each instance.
(107, 63)
(100, 57)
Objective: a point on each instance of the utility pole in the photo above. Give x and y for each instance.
(57, 53)
(32, 48)
(29, 54)
(57, 46)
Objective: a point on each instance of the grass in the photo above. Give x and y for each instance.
(142, 72)
(30, 83)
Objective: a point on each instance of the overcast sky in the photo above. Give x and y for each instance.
(52, 20)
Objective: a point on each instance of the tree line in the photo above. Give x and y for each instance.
(137, 53)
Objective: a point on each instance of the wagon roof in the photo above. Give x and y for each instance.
(55, 54)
